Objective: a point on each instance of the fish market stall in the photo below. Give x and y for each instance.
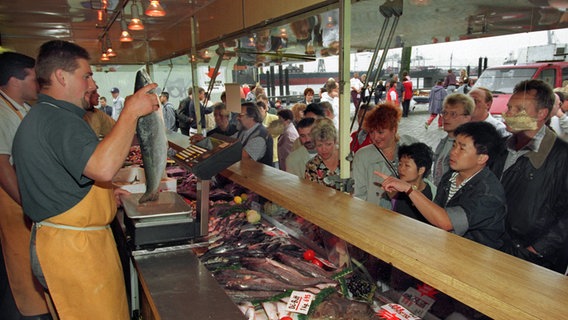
(431, 259)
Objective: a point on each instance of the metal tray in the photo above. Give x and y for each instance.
(168, 204)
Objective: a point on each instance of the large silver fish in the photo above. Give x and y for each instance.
(151, 132)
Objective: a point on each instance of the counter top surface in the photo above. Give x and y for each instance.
(499, 285)
(182, 288)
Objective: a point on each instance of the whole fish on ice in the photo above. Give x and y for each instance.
(151, 132)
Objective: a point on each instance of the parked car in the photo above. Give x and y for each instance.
(501, 80)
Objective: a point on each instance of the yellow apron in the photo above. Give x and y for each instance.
(15, 238)
(77, 254)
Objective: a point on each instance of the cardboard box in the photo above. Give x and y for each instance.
(133, 180)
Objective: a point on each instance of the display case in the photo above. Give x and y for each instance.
(494, 283)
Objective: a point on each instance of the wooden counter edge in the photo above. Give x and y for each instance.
(492, 282)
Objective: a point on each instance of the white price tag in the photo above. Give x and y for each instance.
(300, 302)
(416, 302)
(393, 311)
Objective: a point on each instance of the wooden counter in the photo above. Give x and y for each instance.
(494, 283)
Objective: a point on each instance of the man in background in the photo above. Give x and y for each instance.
(168, 112)
(456, 111)
(17, 85)
(99, 121)
(105, 107)
(257, 142)
(483, 100)
(117, 103)
(297, 159)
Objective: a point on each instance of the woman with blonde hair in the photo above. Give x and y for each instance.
(324, 167)
(298, 111)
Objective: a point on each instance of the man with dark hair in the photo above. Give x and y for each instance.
(99, 121)
(534, 173)
(257, 142)
(117, 103)
(314, 110)
(73, 250)
(17, 86)
(297, 159)
(105, 107)
(470, 201)
(204, 110)
(287, 137)
(182, 113)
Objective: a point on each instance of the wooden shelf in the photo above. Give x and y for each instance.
(494, 283)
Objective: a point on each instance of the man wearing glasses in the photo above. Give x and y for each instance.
(257, 142)
(456, 110)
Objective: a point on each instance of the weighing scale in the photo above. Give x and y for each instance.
(169, 220)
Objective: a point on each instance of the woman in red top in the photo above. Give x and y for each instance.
(392, 95)
(359, 137)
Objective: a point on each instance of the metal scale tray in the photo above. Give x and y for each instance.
(166, 220)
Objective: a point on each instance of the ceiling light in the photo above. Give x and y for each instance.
(125, 36)
(110, 53)
(155, 9)
(104, 57)
(135, 22)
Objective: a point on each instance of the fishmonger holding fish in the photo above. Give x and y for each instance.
(61, 169)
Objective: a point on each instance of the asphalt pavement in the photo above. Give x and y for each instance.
(413, 125)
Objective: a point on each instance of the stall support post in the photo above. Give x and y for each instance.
(202, 205)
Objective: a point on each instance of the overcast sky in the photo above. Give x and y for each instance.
(462, 53)
(496, 49)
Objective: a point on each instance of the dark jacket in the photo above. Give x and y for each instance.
(536, 187)
(477, 210)
(182, 115)
(261, 131)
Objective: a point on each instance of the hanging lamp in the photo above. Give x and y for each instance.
(154, 9)
(125, 36)
(110, 52)
(135, 22)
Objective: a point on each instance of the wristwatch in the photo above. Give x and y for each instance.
(412, 188)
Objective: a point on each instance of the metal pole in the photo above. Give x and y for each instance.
(196, 103)
(344, 87)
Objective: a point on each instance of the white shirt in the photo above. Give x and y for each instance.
(117, 106)
(9, 122)
(500, 126)
(356, 84)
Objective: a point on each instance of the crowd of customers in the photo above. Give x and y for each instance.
(499, 183)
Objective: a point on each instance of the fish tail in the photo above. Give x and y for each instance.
(149, 196)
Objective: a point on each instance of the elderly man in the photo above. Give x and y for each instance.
(257, 142)
(483, 100)
(534, 173)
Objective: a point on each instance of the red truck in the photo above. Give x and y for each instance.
(502, 79)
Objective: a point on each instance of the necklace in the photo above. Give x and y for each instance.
(8, 102)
